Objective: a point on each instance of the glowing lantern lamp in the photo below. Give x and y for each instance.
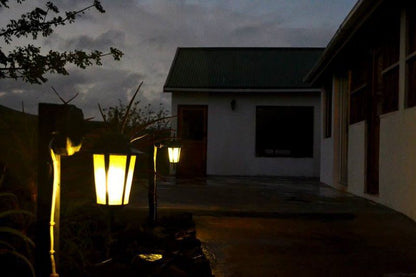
(174, 150)
(113, 174)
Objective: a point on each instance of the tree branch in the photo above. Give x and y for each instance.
(27, 63)
(126, 116)
(57, 94)
(102, 113)
(34, 22)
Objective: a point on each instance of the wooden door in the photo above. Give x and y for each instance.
(192, 130)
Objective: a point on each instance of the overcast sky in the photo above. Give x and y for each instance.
(149, 31)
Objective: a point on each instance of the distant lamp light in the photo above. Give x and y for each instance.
(174, 150)
(113, 174)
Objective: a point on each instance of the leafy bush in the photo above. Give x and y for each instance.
(16, 248)
(139, 115)
(84, 230)
(18, 152)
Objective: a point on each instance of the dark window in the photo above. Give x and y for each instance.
(411, 82)
(411, 59)
(390, 47)
(283, 131)
(358, 91)
(328, 110)
(411, 31)
(391, 90)
(389, 68)
(357, 103)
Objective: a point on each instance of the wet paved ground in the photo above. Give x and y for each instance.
(291, 227)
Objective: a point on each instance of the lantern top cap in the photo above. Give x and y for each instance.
(174, 144)
(113, 143)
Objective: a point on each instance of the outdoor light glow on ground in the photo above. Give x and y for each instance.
(151, 257)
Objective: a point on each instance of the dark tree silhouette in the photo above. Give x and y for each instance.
(28, 63)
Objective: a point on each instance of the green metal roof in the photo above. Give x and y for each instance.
(240, 68)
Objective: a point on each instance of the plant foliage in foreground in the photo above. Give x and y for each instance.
(15, 246)
(29, 63)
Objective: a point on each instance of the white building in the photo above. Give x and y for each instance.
(246, 111)
(368, 72)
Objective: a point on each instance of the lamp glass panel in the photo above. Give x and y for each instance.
(129, 179)
(174, 154)
(100, 178)
(115, 179)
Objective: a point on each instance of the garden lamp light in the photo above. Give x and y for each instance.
(174, 151)
(113, 174)
(114, 163)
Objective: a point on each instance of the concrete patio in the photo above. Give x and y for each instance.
(267, 226)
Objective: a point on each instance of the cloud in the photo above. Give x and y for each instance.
(102, 42)
(149, 31)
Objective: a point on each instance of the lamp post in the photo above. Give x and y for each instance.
(114, 164)
(60, 134)
(174, 151)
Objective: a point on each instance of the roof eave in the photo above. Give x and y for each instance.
(171, 67)
(240, 90)
(354, 20)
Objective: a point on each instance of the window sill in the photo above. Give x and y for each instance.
(357, 123)
(410, 108)
(392, 113)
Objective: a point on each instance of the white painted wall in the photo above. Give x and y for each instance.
(331, 146)
(327, 161)
(356, 159)
(231, 134)
(397, 180)
(327, 149)
(398, 161)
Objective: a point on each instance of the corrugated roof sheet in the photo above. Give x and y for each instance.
(241, 68)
